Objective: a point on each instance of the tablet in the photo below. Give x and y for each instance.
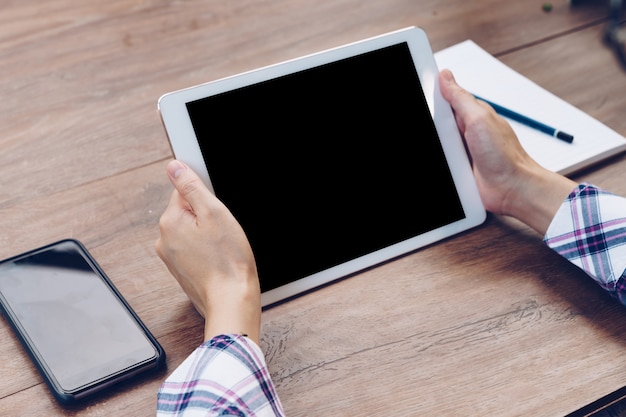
(332, 163)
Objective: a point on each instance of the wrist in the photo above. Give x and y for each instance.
(236, 310)
(537, 196)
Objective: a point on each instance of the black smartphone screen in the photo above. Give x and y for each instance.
(75, 324)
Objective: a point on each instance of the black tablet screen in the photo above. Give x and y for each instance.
(328, 164)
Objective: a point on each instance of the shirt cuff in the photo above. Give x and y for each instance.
(226, 374)
(589, 230)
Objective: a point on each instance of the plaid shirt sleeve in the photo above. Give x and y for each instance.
(225, 376)
(589, 230)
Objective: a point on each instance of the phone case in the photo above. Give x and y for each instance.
(62, 396)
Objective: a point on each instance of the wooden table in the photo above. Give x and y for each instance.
(489, 323)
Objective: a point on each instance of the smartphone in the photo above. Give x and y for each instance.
(75, 325)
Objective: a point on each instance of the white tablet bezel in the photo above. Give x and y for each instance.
(180, 132)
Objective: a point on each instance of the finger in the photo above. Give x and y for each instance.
(463, 103)
(177, 202)
(189, 187)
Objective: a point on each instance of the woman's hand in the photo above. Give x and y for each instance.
(208, 253)
(510, 182)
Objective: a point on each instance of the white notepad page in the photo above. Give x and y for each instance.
(482, 74)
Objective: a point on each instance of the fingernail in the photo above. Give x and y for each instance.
(447, 76)
(175, 168)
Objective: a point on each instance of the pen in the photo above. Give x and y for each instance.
(503, 111)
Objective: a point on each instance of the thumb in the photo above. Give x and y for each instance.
(188, 184)
(464, 104)
(451, 91)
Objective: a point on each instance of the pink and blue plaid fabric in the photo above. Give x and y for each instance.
(226, 376)
(589, 230)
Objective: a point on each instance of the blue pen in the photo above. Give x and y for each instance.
(503, 111)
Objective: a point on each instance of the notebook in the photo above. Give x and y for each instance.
(484, 75)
